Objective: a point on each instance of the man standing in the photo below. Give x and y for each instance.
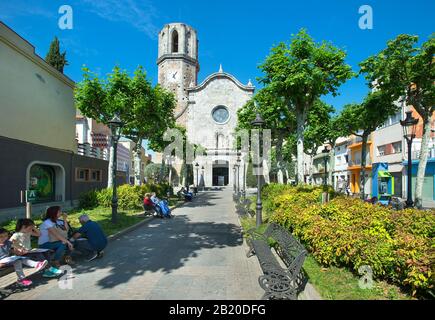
(95, 240)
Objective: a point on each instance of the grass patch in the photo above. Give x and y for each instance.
(335, 283)
(340, 284)
(102, 215)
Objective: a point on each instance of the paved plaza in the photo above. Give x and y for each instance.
(199, 254)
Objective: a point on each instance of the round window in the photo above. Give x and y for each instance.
(220, 114)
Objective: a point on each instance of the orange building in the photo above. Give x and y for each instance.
(354, 164)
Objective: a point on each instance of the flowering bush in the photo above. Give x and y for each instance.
(397, 245)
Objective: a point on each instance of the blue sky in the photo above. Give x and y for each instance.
(237, 33)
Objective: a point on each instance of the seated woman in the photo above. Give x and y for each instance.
(51, 236)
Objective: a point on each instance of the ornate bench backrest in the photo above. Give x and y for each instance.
(289, 249)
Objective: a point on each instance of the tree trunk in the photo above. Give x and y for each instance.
(170, 172)
(136, 154)
(424, 150)
(162, 171)
(300, 118)
(110, 173)
(331, 164)
(363, 165)
(310, 170)
(278, 149)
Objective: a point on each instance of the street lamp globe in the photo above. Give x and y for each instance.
(409, 126)
(115, 125)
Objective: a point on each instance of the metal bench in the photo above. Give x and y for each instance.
(279, 282)
(243, 207)
(8, 279)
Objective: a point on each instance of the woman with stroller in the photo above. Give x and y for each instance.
(150, 204)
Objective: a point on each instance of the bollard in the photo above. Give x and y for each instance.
(28, 210)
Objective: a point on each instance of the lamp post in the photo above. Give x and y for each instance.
(325, 152)
(258, 123)
(203, 177)
(115, 126)
(234, 175)
(409, 126)
(197, 177)
(197, 174)
(244, 181)
(238, 173)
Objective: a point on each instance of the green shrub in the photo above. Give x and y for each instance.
(104, 197)
(129, 197)
(88, 200)
(397, 245)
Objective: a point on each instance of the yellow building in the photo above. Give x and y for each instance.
(354, 164)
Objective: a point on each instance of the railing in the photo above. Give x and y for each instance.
(357, 162)
(85, 149)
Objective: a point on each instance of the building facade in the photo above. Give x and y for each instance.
(355, 165)
(208, 110)
(388, 144)
(37, 133)
(340, 167)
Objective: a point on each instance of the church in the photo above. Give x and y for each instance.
(207, 110)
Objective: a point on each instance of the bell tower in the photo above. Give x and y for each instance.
(178, 64)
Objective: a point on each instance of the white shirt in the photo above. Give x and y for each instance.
(44, 238)
(22, 240)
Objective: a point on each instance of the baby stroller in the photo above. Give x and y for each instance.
(162, 207)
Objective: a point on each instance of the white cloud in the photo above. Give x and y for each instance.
(139, 14)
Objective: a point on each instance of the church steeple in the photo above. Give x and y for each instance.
(178, 63)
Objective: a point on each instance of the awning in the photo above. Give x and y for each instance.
(384, 174)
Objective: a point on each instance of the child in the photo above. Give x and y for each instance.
(24, 229)
(5, 251)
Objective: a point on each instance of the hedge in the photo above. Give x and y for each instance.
(129, 197)
(347, 232)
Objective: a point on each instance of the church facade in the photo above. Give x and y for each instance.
(207, 110)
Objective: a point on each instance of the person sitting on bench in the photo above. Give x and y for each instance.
(6, 259)
(188, 196)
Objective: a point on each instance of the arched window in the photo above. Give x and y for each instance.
(175, 41)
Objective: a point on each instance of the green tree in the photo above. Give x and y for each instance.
(317, 129)
(363, 118)
(301, 72)
(146, 111)
(277, 117)
(54, 57)
(407, 72)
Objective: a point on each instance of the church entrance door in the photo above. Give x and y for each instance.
(220, 173)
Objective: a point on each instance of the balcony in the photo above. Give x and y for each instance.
(416, 154)
(357, 162)
(85, 149)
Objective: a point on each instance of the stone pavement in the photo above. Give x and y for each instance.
(199, 254)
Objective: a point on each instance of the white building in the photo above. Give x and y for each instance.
(340, 173)
(208, 111)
